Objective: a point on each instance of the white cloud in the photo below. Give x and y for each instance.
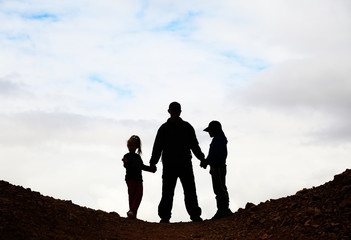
(310, 85)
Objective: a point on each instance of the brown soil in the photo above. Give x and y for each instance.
(322, 212)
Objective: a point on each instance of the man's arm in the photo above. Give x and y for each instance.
(157, 148)
(195, 148)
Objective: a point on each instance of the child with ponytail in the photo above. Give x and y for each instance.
(134, 165)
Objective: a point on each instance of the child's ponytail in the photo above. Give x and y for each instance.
(136, 140)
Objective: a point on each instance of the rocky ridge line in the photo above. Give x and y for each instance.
(322, 212)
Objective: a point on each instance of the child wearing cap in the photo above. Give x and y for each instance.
(216, 158)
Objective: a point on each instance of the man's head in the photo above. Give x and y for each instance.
(175, 106)
(174, 109)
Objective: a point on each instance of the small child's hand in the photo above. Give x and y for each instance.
(125, 160)
(153, 168)
(203, 164)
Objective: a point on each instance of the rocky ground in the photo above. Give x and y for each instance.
(322, 212)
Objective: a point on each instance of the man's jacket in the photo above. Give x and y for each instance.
(175, 141)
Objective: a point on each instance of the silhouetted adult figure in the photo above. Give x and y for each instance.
(175, 140)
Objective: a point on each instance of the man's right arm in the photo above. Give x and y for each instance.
(157, 148)
(194, 144)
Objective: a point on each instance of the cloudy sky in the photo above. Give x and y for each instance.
(78, 78)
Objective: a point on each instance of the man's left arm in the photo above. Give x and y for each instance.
(195, 148)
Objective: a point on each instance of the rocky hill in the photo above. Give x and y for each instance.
(322, 212)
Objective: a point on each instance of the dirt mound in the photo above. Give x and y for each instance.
(322, 212)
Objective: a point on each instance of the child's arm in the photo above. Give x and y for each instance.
(125, 162)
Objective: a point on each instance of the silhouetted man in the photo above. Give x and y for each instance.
(175, 140)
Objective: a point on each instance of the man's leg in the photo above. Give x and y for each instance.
(169, 180)
(190, 197)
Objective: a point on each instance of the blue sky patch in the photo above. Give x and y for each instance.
(255, 64)
(179, 24)
(41, 16)
(141, 12)
(119, 90)
(17, 37)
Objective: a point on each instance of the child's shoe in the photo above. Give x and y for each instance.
(130, 215)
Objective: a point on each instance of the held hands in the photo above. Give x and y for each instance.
(153, 168)
(203, 164)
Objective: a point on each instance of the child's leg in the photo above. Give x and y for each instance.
(138, 195)
(131, 192)
(220, 189)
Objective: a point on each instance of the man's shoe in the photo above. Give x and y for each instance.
(222, 214)
(228, 213)
(197, 219)
(164, 221)
(218, 215)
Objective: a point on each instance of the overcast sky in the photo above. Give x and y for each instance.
(78, 78)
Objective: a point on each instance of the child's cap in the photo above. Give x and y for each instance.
(213, 126)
